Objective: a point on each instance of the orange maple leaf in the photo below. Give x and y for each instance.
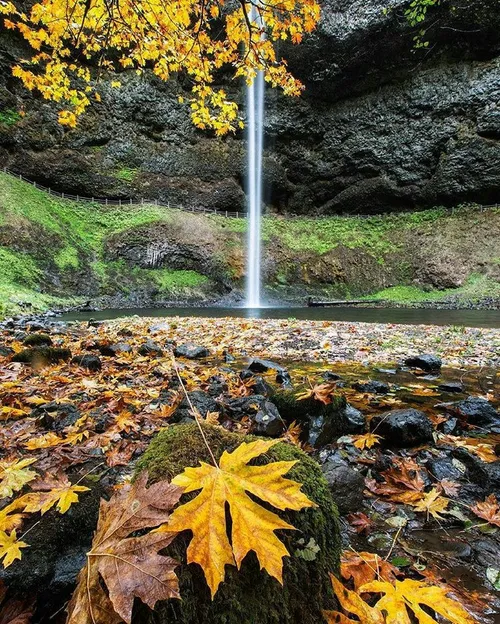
(488, 510)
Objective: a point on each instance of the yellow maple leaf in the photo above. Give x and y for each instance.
(252, 526)
(14, 475)
(366, 440)
(10, 520)
(10, 548)
(351, 602)
(433, 504)
(408, 594)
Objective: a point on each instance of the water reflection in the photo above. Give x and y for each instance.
(467, 318)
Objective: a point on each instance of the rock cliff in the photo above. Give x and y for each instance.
(381, 127)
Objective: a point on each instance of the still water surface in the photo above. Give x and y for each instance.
(468, 318)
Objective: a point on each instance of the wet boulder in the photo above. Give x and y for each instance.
(112, 350)
(150, 348)
(263, 414)
(452, 387)
(58, 544)
(90, 362)
(56, 416)
(191, 351)
(445, 468)
(250, 594)
(200, 400)
(372, 387)
(346, 484)
(267, 421)
(403, 427)
(258, 365)
(321, 423)
(42, 356)
(426, 362)
(475, 411)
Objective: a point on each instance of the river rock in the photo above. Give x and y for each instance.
(112, 350)
(475, 411)
(346, 484)
(267, 421)
(262, 366)
(200, 400)
(250, 595)
(325, 427)
(427, 362)
(191, 351)
(403, 427)
(91, 362)
(444, 468)
(150, 348)
(451, 387)
(56, 416)
(372, 387)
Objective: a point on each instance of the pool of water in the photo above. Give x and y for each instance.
(468, 318)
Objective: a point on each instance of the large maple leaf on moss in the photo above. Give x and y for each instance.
(129, 566)
(253, 526)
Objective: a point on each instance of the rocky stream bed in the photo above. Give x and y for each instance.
(403, 421)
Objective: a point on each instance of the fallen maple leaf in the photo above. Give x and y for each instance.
(14, 475)
(409, 594)
(366, 440)
(10, 548)
(364, 567)
(351, 602)
(15, 611)
(252, 526)
(51, 491)
(488, 510)
(322, 392)
(129, 566)
(432, 504)
(360, 521)
(404, 483)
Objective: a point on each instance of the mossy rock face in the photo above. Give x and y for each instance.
(251, 596)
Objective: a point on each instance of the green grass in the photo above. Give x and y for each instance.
(9, 117)
(373, 234)
(475, 288)
(67, 258)
(81, 229)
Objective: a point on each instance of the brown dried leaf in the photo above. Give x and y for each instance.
(129, 566)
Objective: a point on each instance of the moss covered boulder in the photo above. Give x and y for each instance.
(251, 596)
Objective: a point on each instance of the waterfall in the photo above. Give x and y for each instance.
(255, 131)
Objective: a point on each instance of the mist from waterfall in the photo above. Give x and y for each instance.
(255, 131)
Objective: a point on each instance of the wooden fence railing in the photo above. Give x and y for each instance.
(143, 201)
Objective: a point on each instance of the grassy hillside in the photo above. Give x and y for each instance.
(57, 252)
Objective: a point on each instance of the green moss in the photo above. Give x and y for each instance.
(127, 174)
(9, 117)
(42, 355)
(251, 596)
(67, 258)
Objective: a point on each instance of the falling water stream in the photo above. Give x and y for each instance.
(255, 129)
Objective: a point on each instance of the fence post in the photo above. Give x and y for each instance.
(62, 195)
(106, 201)
(237, 214)
(120, 203)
